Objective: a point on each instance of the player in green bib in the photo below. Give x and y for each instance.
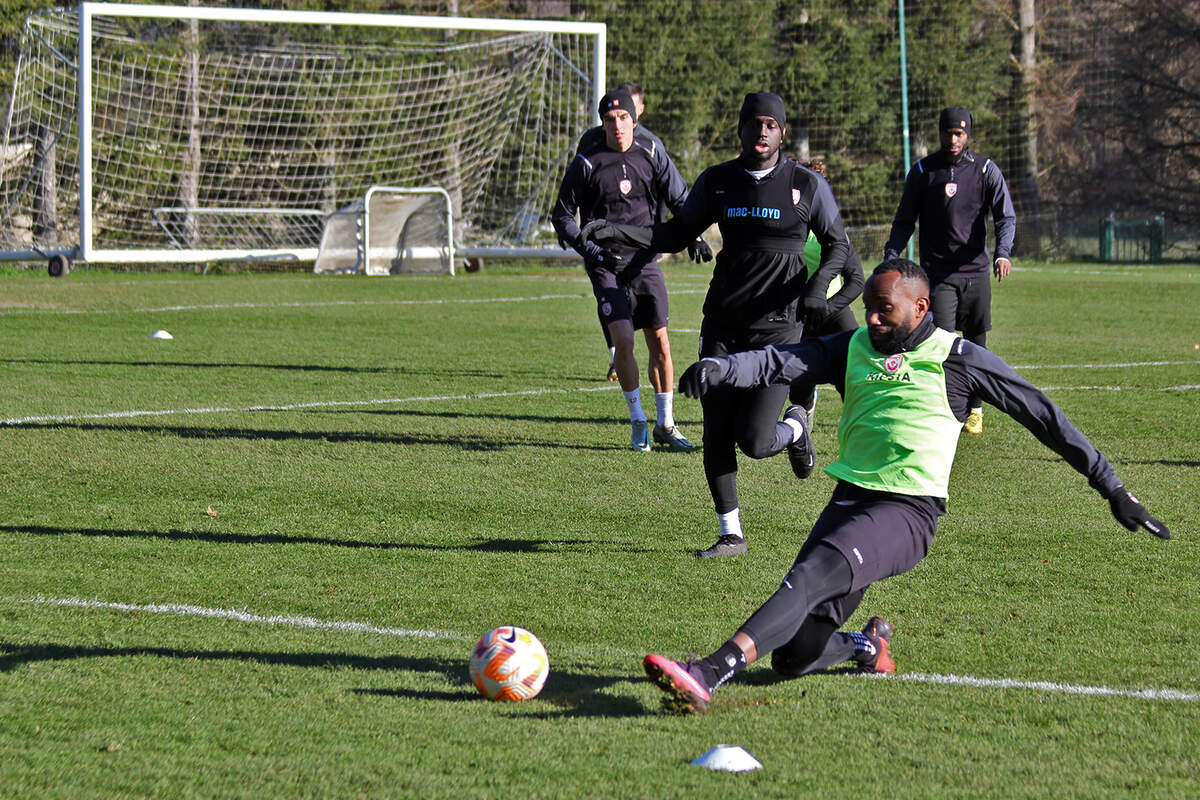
(907, 386)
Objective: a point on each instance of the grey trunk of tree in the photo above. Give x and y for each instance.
(1026, 21)
(189, 181)
(46, 200)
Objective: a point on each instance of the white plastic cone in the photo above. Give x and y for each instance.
(727, 758)
(161, 335)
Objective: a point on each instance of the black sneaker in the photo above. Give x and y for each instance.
(727, 545)
(801, 452)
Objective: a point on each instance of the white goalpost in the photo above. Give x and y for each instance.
(149, 133)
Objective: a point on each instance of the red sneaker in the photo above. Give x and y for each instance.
(879, 631)
(685, 693)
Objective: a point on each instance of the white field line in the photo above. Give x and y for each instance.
(410, 633)
(31, 420)
(379, 401)
(246, 616)
(316, 304)
(1042, 686)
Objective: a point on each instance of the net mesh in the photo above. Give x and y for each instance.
(215, 120)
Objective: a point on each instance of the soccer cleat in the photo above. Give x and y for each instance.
(641, 436)
(727, 545)
(801, 453)
(685, 692)
(974, 423)
(612, 370)
(672, 438)
(879, 633)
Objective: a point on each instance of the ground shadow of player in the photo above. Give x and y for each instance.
(414, 413)
(567, 693)
(468, 443)
(218, 537)
(16, 655)
(441, 372)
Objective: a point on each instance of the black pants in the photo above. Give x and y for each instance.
(860, 538)
(745, 419)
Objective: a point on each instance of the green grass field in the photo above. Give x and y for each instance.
(251, 561)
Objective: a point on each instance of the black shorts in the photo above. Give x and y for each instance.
(963, 303)
(638, 294)
(881, 534)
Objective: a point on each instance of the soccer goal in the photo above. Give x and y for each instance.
(392, 230)
(149, 133)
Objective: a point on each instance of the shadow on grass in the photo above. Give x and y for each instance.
(468, 443)
(599, 377)
(614, 420)
(487, 546)
(441, 372)
(573, 694)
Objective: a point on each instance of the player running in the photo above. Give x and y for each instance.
(906, 386)
(622, 180)
(765, 206)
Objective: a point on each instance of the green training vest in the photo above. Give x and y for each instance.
(897, 432)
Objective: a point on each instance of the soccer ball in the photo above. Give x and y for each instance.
(509, 663)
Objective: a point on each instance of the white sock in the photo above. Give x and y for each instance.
(797, 428)
(731, 523)
(633, 399)
(977, 408)
(612, 355)
(664, 404)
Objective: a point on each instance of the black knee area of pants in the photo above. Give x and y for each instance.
(761, 442)
(821, 574)
(803, 650)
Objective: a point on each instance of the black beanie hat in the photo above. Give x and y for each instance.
(955, 117)
(762, 104)
(618, 98)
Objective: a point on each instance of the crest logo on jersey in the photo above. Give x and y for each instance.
(795, 197)
(606, 309)
(626, 186)
(893, 363)
(951, 189)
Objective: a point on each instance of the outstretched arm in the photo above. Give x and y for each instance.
(822, 360)
(671, 236)
(993, 380)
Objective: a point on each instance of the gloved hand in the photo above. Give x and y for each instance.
(699, 250)
(702, 376)
(816, 309)
(1130, 513)
(598, 230)
(888, 255)
(597, 255)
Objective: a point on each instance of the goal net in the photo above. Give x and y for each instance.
(155, 133)
(392, 230)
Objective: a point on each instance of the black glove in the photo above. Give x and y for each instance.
(699, 250)
(598, 230)
(1130, 513)
(597, 255)
(702, 376)
(816, 309)
(888, 255)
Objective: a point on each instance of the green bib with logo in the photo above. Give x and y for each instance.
(897, 432)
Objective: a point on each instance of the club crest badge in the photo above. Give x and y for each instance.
(626, 186)
(951, 189)
(893, 363)
(606, 309)
(795, 197)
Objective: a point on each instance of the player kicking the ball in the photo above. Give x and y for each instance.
(906, 386)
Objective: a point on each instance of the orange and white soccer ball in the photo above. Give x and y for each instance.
(509, 663)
